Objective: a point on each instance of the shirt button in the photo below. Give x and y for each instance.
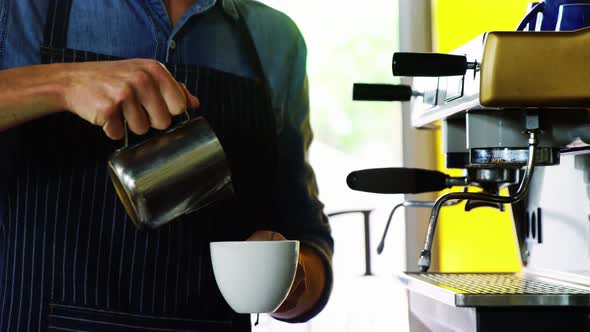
(172, 44)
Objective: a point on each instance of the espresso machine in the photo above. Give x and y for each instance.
(514, 111)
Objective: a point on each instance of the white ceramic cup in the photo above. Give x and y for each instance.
(254, 276)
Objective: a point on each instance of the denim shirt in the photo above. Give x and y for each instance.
(206, 35)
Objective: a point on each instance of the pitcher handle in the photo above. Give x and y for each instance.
(126, 133)
(527, 19)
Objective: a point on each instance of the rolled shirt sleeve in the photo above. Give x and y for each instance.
(301, 211)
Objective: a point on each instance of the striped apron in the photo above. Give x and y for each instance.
(71, 260)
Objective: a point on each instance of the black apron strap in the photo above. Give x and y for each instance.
(253, 53)
(56, 33)
(56, 24)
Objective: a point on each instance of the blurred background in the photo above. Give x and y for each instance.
(351, 41)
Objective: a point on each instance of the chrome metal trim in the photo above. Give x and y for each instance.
(496, 289)
(512, 157)
(425, 256)
(579, 278)
(433, 114)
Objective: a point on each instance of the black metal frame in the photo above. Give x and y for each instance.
(367, 221)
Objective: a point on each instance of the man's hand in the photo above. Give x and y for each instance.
(298, 288)
(140, 91)
(104, 93)
(310, 279)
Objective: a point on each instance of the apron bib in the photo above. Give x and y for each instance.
(72, 258)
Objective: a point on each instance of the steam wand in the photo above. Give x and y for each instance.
(415, 204)
(425, 255)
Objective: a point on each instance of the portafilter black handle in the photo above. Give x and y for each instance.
(381, 92)
(397, 180)
(429, 64)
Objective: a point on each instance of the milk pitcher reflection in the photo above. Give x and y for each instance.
(171, 174)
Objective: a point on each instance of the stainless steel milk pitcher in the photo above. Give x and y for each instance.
(171, 174)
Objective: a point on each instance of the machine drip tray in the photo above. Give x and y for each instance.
(496, 289)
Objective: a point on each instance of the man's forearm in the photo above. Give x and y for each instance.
(103, 93)
(315, 280)
(28, 93)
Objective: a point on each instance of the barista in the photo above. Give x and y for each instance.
(70, 258)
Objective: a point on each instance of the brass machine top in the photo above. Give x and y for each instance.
(536, 69)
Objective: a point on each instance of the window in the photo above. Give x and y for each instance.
(352, 41)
